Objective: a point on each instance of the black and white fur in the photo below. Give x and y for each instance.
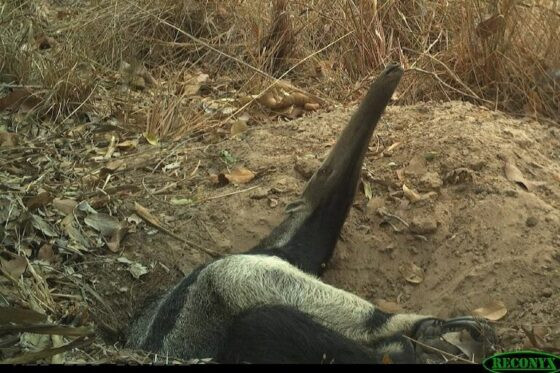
(268, 305)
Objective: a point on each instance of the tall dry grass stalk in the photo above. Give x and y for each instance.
(504, 54)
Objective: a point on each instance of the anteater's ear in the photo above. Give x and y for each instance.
(309, 234)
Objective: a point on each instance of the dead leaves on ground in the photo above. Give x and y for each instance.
(412, 273)
(237, 176)
(15, 267)
(515, 175)
(20, 100)
(492, 311)
(56, 225)
(414, 196)
(8, 139)
(136, 269)
(285, 100)
(110, 228)
(542, 337)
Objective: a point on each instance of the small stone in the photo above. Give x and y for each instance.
(423, 225)
(531, 221)
(388, 249)
(511, 193)
(272, 202)
(374, 204)
(460, 175)
(138, 82)
(306, 167)
(478, 166)
(239, 126)
(431, 180)
(547, 292)
(413, 250)
(430, 156)
(552, 219)
(260, 193)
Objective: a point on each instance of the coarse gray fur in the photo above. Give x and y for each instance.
(236, 283)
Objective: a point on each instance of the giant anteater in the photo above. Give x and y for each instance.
(268, 305)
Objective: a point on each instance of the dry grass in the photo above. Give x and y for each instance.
(501, 54)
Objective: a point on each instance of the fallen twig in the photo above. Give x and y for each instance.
(30, 357)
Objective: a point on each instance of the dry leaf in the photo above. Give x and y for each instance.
(40, 224)
(367, 190)
(46, 252)
(414, 196)
(114, 165)
(465, 342)
(20, 99)
(220, 180)
(493, 311)
(412, 273)
(128, 144)
(66, 206)
(137, 270)
(40, 200)
(69, 226)
(103, 223)
(99, 201)
(238, 127)
(514, 174)
(387, 306)
(389, 151)
(115, 241)
(490, 26)
(8, 139)
(151, 138)
(111, 148)
(15, 267)
(240, 175)
(145, 214)
(181, 201)
(411, 194)
(84, 206)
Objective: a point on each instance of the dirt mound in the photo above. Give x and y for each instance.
(459, 237)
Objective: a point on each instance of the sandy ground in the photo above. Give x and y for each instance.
(474, 238)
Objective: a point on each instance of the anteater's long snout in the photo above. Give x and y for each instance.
(308, 235)
(340, 172)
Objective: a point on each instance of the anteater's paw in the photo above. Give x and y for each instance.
(453, 340)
